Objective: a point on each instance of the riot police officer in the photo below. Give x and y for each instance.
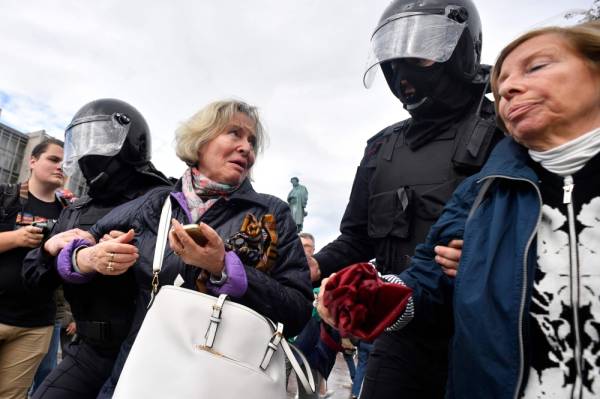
(109, 140)
(429, 52)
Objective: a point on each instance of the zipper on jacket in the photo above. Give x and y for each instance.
(524, 289)
(574, 280)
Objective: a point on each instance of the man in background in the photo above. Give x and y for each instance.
(26, 317)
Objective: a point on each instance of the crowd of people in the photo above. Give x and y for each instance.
(485, 213)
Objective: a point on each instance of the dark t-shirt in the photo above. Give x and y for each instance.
(18, 306)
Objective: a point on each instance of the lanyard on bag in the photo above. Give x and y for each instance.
(159, 248)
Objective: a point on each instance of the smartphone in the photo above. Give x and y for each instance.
(194, 231)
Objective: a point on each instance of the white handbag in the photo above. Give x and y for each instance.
(193, 345)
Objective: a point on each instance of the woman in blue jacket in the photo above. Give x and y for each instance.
(525, 305)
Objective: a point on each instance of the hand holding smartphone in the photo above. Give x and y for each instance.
(194, 231)
(207, 254)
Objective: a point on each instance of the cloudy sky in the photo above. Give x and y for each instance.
(300, 61)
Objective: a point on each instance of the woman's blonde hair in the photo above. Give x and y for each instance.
(584, 39)
(208, 123)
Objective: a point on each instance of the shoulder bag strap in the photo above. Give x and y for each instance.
(161, 241)
(308, 384)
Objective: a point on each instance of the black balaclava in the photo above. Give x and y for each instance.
(106, 177)
(440, 98)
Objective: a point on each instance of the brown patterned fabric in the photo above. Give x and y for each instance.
(256, 242)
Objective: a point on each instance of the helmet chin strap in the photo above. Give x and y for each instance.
(99, 181)
(414, 106)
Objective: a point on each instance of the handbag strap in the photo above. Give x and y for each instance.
(307, 383)
(214, 321)
(161, 242)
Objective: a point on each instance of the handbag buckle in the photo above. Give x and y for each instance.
(272, 346)
(154, 289)
(214, 320)
(155, 282)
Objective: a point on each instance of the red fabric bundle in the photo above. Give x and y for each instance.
(362, 304)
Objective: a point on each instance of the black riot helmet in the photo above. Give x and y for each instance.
(107, 128)
(445, 32)
(109, 140)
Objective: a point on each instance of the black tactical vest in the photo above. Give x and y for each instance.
(105, 322)
(409, 189)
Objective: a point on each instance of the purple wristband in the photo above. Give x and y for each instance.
(65, 267)
(237, 282)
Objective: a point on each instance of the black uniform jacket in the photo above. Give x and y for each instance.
(399, 192)
(103, 308)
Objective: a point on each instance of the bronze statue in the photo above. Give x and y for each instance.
(297, 199)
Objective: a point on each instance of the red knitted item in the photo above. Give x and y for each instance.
(362, 304)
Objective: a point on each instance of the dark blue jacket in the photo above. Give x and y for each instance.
(489, 299)
(284, 294)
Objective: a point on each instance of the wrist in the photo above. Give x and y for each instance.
(80, 263)
(219, 279)
(15, 239)
(47, 251)
(64, 263)
(74, 262)
(237, 281)
(219, 268)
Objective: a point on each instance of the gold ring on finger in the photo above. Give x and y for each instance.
(110, 267)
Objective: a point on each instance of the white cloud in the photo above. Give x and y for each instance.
(301, 62)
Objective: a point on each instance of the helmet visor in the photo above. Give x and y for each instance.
(412, 35)
(95, 135)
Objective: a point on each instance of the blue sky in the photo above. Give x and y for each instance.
(301, 62)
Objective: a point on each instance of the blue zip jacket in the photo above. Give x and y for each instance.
(489, 299)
